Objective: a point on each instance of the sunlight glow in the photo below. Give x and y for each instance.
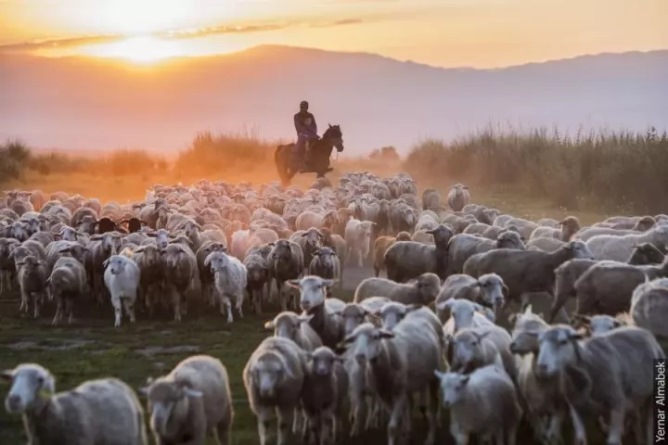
(138, 49)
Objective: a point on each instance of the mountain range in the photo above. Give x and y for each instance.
(96, 104)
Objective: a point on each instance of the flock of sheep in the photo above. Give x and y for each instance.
(430, 334)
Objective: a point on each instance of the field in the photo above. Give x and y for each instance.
(93, 348)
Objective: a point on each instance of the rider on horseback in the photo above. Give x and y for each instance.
(307, 131)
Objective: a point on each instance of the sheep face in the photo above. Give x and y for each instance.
(428, 286)
(313, 291)
(578, 249)
(466, 346)
(268, 373)
(366, 342)
(557, 350)
(453, 387)
(191, 229)
(528, 326)
(168, 400)
(217, 261)
(68, 234)
(173, 255)
(76, 251)
(30, 263)
(18, 231)
(646, 253)
(353, 315)
(322, 361)
(287, 324)
(462, 312)
(392, 313)
(313, 238)
(493, 290)
(32, 226)
(30, 383)
(115, 264)
(282, 250)
(151, 256)
(442, 234)
(162, 239)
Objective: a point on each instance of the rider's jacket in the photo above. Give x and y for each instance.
(305, 125)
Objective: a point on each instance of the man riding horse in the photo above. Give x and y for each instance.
(307, 131)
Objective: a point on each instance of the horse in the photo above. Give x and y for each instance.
(320, 152)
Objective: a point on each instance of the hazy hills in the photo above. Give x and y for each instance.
(79, 103)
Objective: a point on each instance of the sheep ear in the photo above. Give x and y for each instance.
(412, 307)
(505, 291)
(465, 379)
(329, 283)
(192, 392)
(439, 375)
(306, 318)
(528, 310)
(269, 325)
(7, 375)
(293, 283)
(105, 263)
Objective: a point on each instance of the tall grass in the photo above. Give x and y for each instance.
(614, 171)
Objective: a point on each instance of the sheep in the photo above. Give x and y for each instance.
(179, 269)
(122, 277)
(431, 200)
(97, 412)
(608, 374)
(401, 363)
(545, 244)
(296, 328)
(569, 227)
(323, 394)
(462, 246)
(205, 274)
(287, 264)
(524, 271)
(309, 241)
(325, 264)
(274, 378)
(258, 278)
(484, 403)
(32, 276)
(648, 304)
(422, 291)
(402, 217)
(646, 253)
(565, 276)
(463, 314)
(66, 284)
(231, 279)
(192, 401)
(326, 320)
(600, 324)
(472, 348)
(148, 259)
(7, 264)
(488, 290)
(458, 197)
(607, 287)
(545, 406)
(405, 260)
(358, 239)
(101, 247)
(619, 248)
(525, 226)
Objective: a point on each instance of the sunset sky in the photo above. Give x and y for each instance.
(479, 33)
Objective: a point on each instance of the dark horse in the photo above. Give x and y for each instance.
(321, 150)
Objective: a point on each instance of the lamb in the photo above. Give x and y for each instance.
(524, 271)
(358, 239)
(258, 279)
(274, 378)
(205, 274)
(230, 278)
(608, 374)
(325, 264)
(323, 394)
(122, 277)
(97, 412)
(326, 320)
(483, 402)
(545, 405)
(405, 260)
(32, 276)
(192, 401)
(66, 284)
(648, 306)
(401, 363)
(458, 197)
(295, 327)
(488, 290)
(179, 269)
(619, 248)
(422, 291)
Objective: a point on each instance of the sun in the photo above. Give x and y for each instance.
(143, 49)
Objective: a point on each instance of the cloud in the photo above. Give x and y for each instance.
(184, 33)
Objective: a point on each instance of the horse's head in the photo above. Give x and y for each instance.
(334, 135)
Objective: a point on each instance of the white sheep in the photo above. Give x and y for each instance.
(422, 291)
(97, 412)
(193, 400)
(230, 278)
(619, 248)
(358, 239)
(273, 378)
(122, 278)
(484, 403)
(648, 306)
(458, 197)
(295, 327)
